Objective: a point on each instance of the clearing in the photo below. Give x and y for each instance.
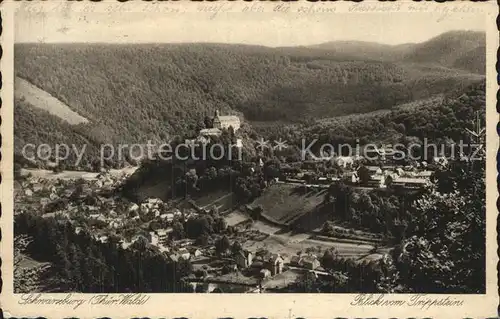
(73, 175)
(45, 101)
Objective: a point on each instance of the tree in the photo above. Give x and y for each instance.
(202, 240)
(140, 244)
(208, 121)
(222, 245)
(236, 247)
(177, 231)
(364, 174)
(220, 225)
(445, 249)
(328, 259)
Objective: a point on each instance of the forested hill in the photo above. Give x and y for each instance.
(136, 93)
(162, 84)
(455, 49)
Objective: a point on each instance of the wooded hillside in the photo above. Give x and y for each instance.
(136, 93)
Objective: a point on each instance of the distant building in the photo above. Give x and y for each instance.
(344, 161)
(442, 161)
(173, 257)
(309, 262)
(239, 143)
(154, 238)
(243, 259)
(163, 235)
(264, 273)
(226, 121)
(408, 182)
(355, 178)
(115, 224)
(103, 239)
(295, 260)
(184, 253)
(195, 252)
(275, 264)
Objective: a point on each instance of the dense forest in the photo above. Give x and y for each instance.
(455, 49)
(135, 93)
(80, 263)
(441, 119)
(36, 126)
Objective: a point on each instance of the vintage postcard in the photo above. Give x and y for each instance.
(249, 159)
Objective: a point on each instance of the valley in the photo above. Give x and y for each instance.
(270, 220)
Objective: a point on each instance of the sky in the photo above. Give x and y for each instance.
(269, 29)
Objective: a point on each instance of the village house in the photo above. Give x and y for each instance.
(265, 273)
(163, 235)
(355, 178)
(169, 217)
(344, 161)
(310, 262)
(407, 182)
(184, 242)
(442, 161)
(184, 253)
(154, 238)
(275, 264)
(195, 252)
(239, 143)
(115, 224)
(173, 257)
(243, 259)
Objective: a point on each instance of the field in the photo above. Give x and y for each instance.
(45, 101)
(73, 175)
(235, 218)
(289, 244)
(283, 204)
(221, 200)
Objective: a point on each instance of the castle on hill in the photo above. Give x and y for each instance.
(225, 121)
(220, 122)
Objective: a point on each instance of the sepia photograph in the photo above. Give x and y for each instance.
(170, 164)
(301, 155)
